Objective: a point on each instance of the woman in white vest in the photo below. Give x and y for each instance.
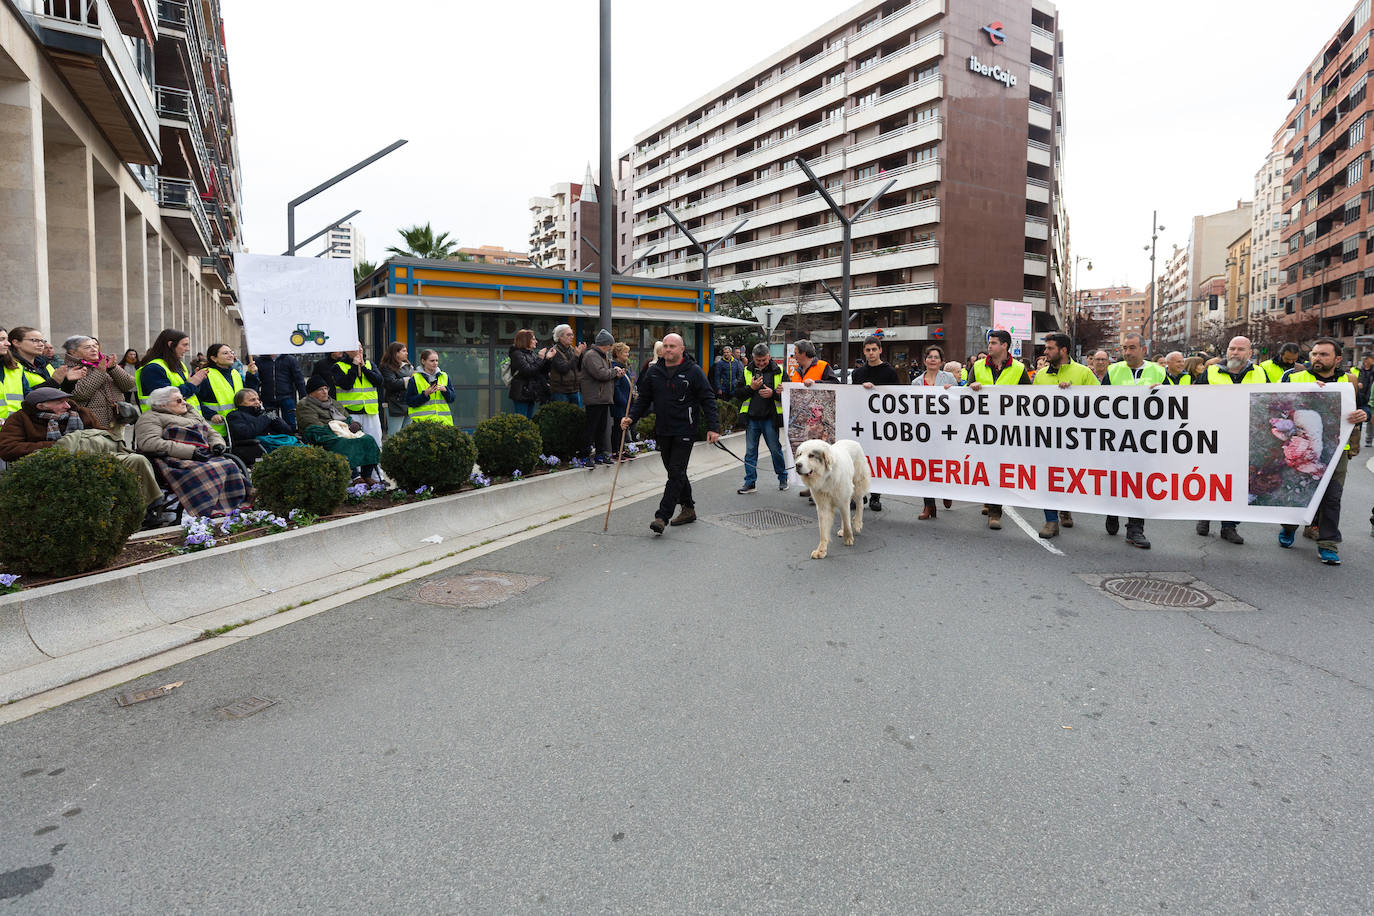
(428, 393)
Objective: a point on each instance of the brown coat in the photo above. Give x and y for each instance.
(25, 432)
(100, 389)
(148, 433)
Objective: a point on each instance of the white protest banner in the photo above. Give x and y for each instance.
(1227, 452)
(296, 305)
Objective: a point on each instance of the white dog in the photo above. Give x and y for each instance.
(837, 476)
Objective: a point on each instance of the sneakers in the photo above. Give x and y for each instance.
(1136, 538)
(875, 503)
(747, 489)
(1047, 530)
(1285, 537)
(1066, 519)
(782, 485)
(1329, 556)
(657, 526)
(1229, 533)
(1205, 528)
(1113, 525)
(995, 520)
(685, 517)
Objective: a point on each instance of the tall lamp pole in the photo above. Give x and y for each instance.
(334, 225)
(291, 245)
(847, 223)
(1078, 299)
(1155, 230)
(704, 249)
(607, 177)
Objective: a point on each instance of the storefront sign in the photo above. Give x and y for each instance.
(992, 71)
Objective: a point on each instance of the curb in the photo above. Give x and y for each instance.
(53, 635)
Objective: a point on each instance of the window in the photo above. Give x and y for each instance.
(1357, 130)
(1357, 92)
(924, 153)
(928, 72)
(867, 171)
(1354, 172)
(1348, 287)
(929, 113)
(1350, 248)
(1352, 209)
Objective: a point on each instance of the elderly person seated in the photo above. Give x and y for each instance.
(48, 418)
(190, 455)
(253, 431)
(322, 421)
(100, 382)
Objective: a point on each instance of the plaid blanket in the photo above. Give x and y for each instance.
(203, 487)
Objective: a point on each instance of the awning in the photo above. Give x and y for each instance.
(562, 310)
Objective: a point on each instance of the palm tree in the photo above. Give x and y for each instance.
(362, 271)
(421, 242)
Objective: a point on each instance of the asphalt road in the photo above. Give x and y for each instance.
(939, 719)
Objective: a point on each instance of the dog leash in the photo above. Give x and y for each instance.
(722, 446)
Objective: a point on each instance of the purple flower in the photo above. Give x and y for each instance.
(516, 475)
(7, 580)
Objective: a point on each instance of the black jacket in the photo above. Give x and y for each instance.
(529, 376)
(281, 379)
(247, 423)
(756, 406)
(881, 374)
(342, 380)
(678, 396)
(395, 383)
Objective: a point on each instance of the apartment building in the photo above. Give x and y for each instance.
(1327, 258)
(961, 107)
(1171, 299)
(495, 254)
(1237, 290)
(1117, 310)
(1267, 224)
(119, 170)
(551, 229)
(346, 242)
(1184, 302)
(1134, 309)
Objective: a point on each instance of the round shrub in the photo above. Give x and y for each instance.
(563, 427)
(729, 416)
(507, 442)
(433, 455)
(66, 513)
(644, 429)
(304, 477)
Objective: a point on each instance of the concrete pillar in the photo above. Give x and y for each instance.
(112, 308)
(71, 240)
(23, 230)
(135, 276)
(156, 290)
(169, 290)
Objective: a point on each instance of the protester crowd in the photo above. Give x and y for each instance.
(191, 427)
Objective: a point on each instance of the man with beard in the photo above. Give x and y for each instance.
(1060, 370)
(1285, 362)
(1236, 370)
(1323, 367)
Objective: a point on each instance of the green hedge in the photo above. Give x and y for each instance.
(507, 442)
(563, 429)
(433, 455)
(66, 513)
(305, 477)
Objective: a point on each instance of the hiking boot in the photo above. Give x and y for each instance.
(1047, 530)
(1329, 556)
(949, 503)
(747, 489)
(1136, 538)
(875, 503)
(985, 512)
(1113, 525)
(1232, 535)
(1286, 536)
(685, 517)
(995, 520)
(1066, 519)
(657, 526)
(1205, 528)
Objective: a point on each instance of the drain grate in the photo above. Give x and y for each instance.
(763, 521)
(477, 589)
(242, 709)
(1163, 591)
(1158, 592)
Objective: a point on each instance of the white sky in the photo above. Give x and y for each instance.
(1171, 105)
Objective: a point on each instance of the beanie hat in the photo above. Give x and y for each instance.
(604, 338)
(316, 383)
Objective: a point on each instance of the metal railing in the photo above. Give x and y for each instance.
(180, 194)
(828, 304)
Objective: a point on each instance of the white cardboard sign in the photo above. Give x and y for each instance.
(296, 305)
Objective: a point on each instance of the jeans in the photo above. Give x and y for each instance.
(395, 424)
(769, 431)
(287, 408)
(525, 408)
(676, 452)
(599, 428)
(1328, 518)
(574, 398)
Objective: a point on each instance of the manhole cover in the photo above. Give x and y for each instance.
(1163, 591)
(1158, 592)
(762, 521)
(477, 589)
(242, 709)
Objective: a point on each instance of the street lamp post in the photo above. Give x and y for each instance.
(847, 242)
(1077, 300)
(291, 245)
(604, 202)
(615, 270)
(1155, 230)
(705, 250)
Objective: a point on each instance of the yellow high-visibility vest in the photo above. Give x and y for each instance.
(435, 408)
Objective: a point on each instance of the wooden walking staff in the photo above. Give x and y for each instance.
(620, 456)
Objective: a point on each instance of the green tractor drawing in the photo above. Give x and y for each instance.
(303, 333)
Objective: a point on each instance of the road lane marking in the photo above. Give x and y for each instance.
(1031, 532)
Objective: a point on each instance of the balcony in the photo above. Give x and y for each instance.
(96, 61)
(214, 270)
(177, 114)
(182, 211)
